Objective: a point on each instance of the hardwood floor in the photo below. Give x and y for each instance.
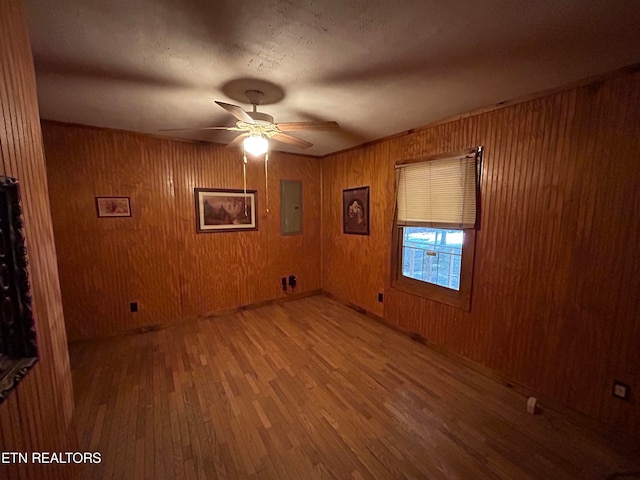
(310, 389)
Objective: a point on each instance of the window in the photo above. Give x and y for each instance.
(434, 233)
(433, 255)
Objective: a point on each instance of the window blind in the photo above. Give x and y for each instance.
(438, 193)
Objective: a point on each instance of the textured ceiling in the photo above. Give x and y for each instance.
(376, 67)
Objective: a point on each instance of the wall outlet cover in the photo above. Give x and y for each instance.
(620, 390)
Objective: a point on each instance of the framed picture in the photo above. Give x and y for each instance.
(113, 206)
(219, 210)
(355, 211)
(18, 350)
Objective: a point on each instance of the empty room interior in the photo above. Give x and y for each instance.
(319, 240)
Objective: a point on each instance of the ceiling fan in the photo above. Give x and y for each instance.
(257, 128)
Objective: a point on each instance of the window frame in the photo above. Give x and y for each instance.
(456, 298)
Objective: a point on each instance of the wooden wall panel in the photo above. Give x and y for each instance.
(354, 265)
(37, 416)
(106, 263)
(555, 302)
(156, 257)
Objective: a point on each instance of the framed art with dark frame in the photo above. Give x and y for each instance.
(18, 350)
(113, 207)
(223, 210)
(355, 211)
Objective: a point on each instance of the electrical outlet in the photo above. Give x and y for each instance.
(283, 280)
(133, 307)
(380, 297)
(620, 390)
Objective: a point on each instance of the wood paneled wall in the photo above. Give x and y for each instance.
(556, 291)
(155, 257)
(37, 416)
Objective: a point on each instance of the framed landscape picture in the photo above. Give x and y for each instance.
(355, 211)
(221, 210)
(113, 206)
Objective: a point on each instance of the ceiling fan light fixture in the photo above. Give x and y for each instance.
(256, 145)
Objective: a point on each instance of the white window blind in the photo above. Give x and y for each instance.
(438, 193)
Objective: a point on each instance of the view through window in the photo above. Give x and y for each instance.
(433, 255)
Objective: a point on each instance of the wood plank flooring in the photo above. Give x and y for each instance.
(310, 389)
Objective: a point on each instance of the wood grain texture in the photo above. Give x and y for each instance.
(354, 266)
(155, 257)
(310, 389)
(555, 302)
(37, 416)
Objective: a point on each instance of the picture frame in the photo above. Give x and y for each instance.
(113, 207)
(18, 347)
(355, 211)
(225, 210)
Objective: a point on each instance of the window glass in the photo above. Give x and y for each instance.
(433, 255)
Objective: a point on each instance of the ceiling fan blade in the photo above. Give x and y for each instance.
(291, 140)
(237, 140)
(298, 126)
(193, 128)
(237, 112)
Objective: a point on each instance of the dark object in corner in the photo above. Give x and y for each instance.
(292, 281)
(18, 351)
(284, 284)
(133, 307)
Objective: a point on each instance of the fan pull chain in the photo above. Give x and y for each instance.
(266, 179)
(244, 181)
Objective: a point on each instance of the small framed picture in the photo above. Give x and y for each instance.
(113, 206)
(220, 210)
(355, 211)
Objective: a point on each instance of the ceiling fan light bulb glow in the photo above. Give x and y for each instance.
(256, 145)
